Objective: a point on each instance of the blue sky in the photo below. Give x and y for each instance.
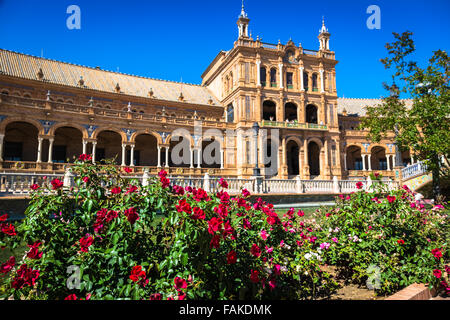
(177, 39)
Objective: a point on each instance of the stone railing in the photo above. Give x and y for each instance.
(414, 170)
(16, 184)
(293, 125)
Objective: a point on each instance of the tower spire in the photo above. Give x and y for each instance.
(243, 22)
(324, 36)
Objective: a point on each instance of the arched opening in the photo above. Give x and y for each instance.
(20, 142)
(109, 146)
(210, 155)
(146, 150)
(314, 159)
(273, 77)
(269, 110)
(354, 159)
(406, 158)
(263, 76)
(68, 145)
(378, 159)
(311, 113)
(290, 111)
(292, 157)
(270, 160)
(179, 152)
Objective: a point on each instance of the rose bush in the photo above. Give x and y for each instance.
(130, 241)
(388, 231)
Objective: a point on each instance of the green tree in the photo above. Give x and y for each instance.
(424, 125)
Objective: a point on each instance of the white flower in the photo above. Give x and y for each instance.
(308, 256)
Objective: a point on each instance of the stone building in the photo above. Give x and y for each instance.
(52, 111)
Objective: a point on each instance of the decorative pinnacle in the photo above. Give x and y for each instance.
(243, 14)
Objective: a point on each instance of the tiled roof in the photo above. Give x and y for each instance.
(357, 107)
(27, 66)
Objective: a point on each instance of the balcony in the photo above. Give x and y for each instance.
(293, 125)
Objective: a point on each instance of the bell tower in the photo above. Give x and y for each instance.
(324, 37)
(242, 23)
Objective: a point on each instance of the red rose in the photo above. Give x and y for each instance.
(25, 276)
(221, 210)
(156, 296)
(85, 157)
(86, 242)
(131, 215)
(436, 253)
(181, 295)
(34, 187)
(71, 297)
(390, 199)
(132, 189)
(401, 241)
(116, 190)
(139, 275)
(228, 230)
(359, 185)
(57, 184)
(164, 182)
(183, 206)
(3, 218)
(245, 193)
(255, 250)
(437, 273)
(254, 276)
(85, 179)
(180, 283)
(214, 225)
(215, 242)
(34, 251)
(178, 190)
(8, 265)
(231, 257)
(198, 214)
(162, 173)
(223, 183)
(8, 229)
(127, 170)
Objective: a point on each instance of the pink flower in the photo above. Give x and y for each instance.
(85, 179)
(127, 170)
(324, 245)
(86, 242)
(180, 283)
(264, 235)
(269, 250)
(335, 240)
(255, 250)
(245, 193)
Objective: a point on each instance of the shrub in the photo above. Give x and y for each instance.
(386, 239)
(130, 241)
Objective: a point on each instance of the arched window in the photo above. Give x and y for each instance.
(290, 111)
(273, 77)
(305, 81)
(269, 110)
(311, 113)
(263, 76)
(315, 87)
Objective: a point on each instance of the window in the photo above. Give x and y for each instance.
(330, 82)
(383, 164)
(314, 83)
(331, 121)
(263, 76)
(273, 77)
(230, 114)
(289, 82)
(358, 164)
(305, 81)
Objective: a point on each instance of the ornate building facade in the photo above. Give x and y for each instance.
(52, 111)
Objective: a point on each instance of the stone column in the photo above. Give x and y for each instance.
(2, 137)
(132, 156)
(199, 158)
(167, 157)
(388, 160)
(159, 156)
(39, 151)
(280, 66)
(124, 146)
(369, 162)
(221, 158)
(94, 148)
(363, 156)
(191, 153)
(302, 85)
(345, 161)
(258, 73)
(84, 146)
(322, 81)
(50, 150)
